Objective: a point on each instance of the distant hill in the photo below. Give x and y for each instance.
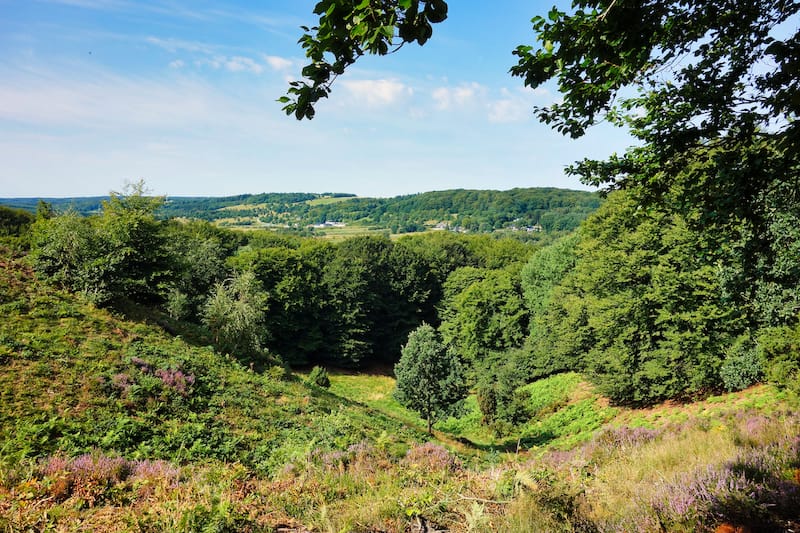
(522, 209)
(85, 205)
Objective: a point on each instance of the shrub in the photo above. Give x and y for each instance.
(177, 305)
(779, 348)
(318, 377)
(176, 380)
(502, 403)
(91, 477)
(742, 365)
(749, 490)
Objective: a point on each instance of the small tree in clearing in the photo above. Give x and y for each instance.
(430, 377)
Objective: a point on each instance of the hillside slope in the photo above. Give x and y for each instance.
(76, 378)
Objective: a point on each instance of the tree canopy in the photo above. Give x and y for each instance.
(348, 30)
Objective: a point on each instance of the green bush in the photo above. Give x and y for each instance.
(779, 349)
(318, 377)
(742, 365)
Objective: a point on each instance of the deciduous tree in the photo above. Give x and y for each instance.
(430, 377)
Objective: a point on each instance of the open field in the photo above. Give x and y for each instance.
(329, 200)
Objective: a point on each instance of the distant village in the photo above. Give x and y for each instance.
(441, 226)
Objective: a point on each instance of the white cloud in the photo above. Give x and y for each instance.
(460, 96)
(177, 64)
(243, 64)
(277, 63)
(99, 101)
(231, 64)
(516, 105)
(508, 110)
(376, 93)
(501, 106)
(178, 45)
(539, 91)
(213, 62)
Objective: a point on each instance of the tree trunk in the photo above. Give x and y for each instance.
(430, 426)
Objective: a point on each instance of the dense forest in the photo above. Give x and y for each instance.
(644, 303)
(462, 210)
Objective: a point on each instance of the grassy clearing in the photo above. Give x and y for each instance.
(329, 200)
(351, 230)
(374, 391)
(564, 410)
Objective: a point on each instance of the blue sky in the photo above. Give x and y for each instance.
(182, 94)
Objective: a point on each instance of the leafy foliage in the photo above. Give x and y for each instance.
(319, 377)
(348, 30)
(76, 379)
(486, 315)
(15, 226)
(642, 311)
(693, 66)
(109, 258)
(742, 365)
(504, 407)
(779, 351)
(112, 424)
(705, 246)
(234, 314)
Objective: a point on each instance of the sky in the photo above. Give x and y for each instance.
(182, 94)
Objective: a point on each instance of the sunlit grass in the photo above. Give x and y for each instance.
(329, 200)
(373, 391)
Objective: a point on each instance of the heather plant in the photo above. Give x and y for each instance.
(617, 440)
(149, 382)
(176, 380)
(122, 382)
(752, 430)
(750, 490)
(367, 458)
(93, 478)
(431, 457)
